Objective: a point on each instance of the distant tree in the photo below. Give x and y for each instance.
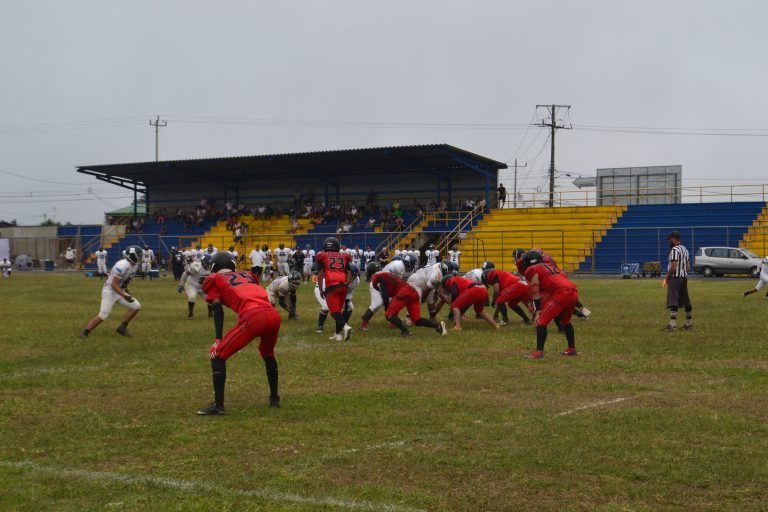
(49, 222)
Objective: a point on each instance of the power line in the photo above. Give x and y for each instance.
(41, 180)
(553, 126)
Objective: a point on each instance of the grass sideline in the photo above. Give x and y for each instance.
(642, 420)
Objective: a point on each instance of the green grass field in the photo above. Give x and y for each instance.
(642, 420)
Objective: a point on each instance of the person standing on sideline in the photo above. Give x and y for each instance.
(101, 262)
(763, 278)
(239, 291)
(115, 289)
(676, 283)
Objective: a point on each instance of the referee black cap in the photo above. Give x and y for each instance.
(674, 235)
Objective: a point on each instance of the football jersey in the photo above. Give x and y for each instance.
(147, 256)
(456, 285)
(334, 265)
(351, 288)
(257, 258)
(101, 256)
(280, 287)
(122, 272)
(309, 256)
(282, 255)
(369, 256)
(454, 256)
(432, 256)
(475, 275)
(426, 279)
(194, 275)
(390, 282)
(503, 278)
(238, 291)
(357, 256)
(396, 267)
(550, 277)
(178, 259)
(416, 255)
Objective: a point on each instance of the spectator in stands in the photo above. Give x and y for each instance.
(371, 223)
(502, 195)
(399, 223)
(480, 207)
(443, 206)
(163, 230)
(179, 215)
(346, 226)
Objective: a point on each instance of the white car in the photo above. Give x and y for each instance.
(716, 261)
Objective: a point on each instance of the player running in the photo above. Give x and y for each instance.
(762, 281)
(554, 297)
(334, 275)
(256, 317)
(115, 289)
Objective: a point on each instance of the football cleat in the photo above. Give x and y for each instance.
(318, 329)
(123, 331)
(669, 328)
(346, 332)
(443, 329)
(687, 327)
(336, 337)
(586, 312)
(274, 401)
(211, 410)
(536, 354)
(405, 334)
(570, 351)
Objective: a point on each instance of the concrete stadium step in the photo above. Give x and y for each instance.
(756, 237)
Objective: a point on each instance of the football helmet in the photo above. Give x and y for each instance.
(531, 258)
(448, 267)
(431, 246)
(223, 260)
(331, 244)
(489, 277)
(371, 269)
(294, 279)
(207, 262)
(488, 265)
(133, 253)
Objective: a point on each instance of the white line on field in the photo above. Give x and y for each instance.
(196, 487)
(597, 404)
(393, 444)
(55, 371)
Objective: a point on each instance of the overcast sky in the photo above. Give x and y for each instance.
(82, 79)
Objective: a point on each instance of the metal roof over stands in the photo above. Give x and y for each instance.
(438, 159)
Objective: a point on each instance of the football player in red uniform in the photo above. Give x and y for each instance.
(554, 297)
(462, 293)
(333, 276)
(508, 290)
(398, 294)
(240, 292)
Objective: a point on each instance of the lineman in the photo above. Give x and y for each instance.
(282, 289)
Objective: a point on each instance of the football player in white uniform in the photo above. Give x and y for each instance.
(282, 288)
(433, 255)
(763, 278)
(309, 260)
(101, 262)
(210, 251)
(415, 254)
(233, 252)
(369, 256)
(401, 267)
(115, 289)
(281, 256)
(357, 256)
(454, 256)
(192, 282)
(147, 258)
(349, 306)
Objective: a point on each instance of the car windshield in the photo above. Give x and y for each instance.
(750, 253)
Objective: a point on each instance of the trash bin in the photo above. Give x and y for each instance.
(48, 264)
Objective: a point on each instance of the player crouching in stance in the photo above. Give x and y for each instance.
(284, 288)
(763, 279)
(560, 297)
(115, 289)
(508, 290)
(462, 293)
(396, 294)
(333, 276)
(240, 292)
(192, 282)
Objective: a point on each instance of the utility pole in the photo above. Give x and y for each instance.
(514, 200)
(553, 126)
(157, 124)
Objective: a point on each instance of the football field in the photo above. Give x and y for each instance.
(641, 420)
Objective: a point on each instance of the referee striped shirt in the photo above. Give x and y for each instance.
(680, 254)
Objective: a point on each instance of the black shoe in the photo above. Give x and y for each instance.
(274, 401)
(405, 334)
(123, 331)
(84, 334)
(189, 317)
(211, 410)
(293, 316)
(669, 328)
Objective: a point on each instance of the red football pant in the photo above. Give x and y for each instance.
(512, 295)
(560, 305)
(334, 298)
(262, 322)
(407, 297)
(476, 296)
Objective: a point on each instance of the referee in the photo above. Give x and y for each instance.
(676, 283)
